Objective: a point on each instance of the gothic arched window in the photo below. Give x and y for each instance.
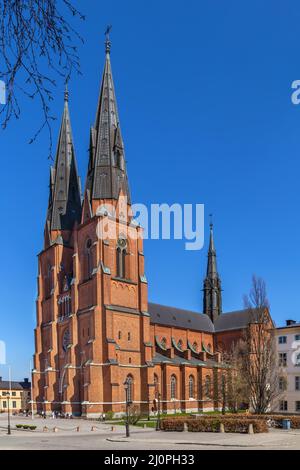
(118, 158)
(191, 386)
(207, 385)
(180, 344)
(173, 387)
(155, 380)
(88, 259)
(195, 346)
(164, 343)
(121, 255)
(48, 281)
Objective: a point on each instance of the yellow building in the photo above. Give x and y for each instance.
(16, 395)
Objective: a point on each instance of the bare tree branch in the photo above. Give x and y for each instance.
(258, 351)
(37, 45)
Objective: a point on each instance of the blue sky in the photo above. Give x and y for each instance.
(204, 96)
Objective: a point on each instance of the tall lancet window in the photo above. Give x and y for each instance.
(121, 257)
(191, 386)
(48, 281)
(88, 259)
(118, 159)
(173, 387)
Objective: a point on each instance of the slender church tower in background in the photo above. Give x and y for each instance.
(212, 292)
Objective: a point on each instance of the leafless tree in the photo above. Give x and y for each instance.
(258, 350)
(230, 389)
(237, 391)
(37, 46)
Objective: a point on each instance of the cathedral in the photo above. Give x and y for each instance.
(98, 341)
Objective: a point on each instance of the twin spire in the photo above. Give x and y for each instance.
(64, 208)
(106, 177)
(107, 174)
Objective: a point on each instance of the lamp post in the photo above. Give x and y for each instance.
(126, 388)
(8, 395)
(8, 414)
(158, 409)
(31, 390)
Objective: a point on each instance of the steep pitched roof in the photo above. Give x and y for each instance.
(180, 318)
(237, 320)
(176, 317)
(6, 385)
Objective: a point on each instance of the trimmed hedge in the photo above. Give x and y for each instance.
(26, 426)
(212, 424)
(172, 424)
(277, 419)
(234, 425)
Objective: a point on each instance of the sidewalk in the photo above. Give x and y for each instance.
(275, 438)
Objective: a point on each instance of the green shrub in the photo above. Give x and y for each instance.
(19, 426)
(25, 426)
(109, 415)
(32, 428)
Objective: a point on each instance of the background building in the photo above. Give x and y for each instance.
(19, 393)
(288, 351)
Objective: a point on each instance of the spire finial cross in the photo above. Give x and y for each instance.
(107, 40)
(211, 221)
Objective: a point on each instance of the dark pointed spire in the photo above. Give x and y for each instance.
(212, 257)
(107, 174)
(64, 207)
(212, 297)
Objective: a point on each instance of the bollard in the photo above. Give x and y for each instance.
(77, 429)
(45, 429)
(250, 429)
(144, 426)
(112, 428)
(222, 428)
(93, 428)
(55, 429)
(185, 427)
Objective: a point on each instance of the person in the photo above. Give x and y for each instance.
(103, 416)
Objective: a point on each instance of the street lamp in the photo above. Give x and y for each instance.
(126, 388)
(158, 408)
(8, 395)
(8, 414)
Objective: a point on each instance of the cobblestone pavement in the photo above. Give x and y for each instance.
(102, 437)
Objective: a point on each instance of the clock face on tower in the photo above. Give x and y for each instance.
(66, 340)
(122, 243)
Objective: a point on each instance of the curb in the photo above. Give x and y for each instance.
(124, 440)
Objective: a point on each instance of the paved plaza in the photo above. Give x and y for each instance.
(102, 437)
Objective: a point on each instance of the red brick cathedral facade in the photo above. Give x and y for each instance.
(95, 328)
